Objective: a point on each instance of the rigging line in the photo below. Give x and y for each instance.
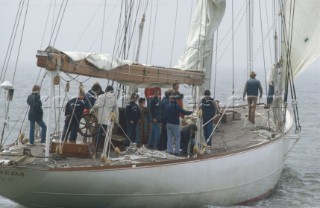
(291, 37)
(20, 43)
(128, 35)
(89, 23)
(56, 22)
(122, 46)
(53, 17)
(232, 22)
(290, 73)
(289, 68)
(12, 37)
(44, 76)
(250, 36)
(201, 52)
(14, 33)
(154, 32)
(62, 16)
(46, 24)
(117, 37)
(103, 23)
(264, 61)
(257, 52)
(149, 32)
(42, 39)
(242, 9)
(287, 41)
(216, 63)
(24, 112)
(124, 41)
(25, 115)
(190, 18)
(267, 19)
(174, 31)
(224, 38)
(247, 36)
(134, 27)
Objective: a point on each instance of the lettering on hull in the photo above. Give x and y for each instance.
(11, 173)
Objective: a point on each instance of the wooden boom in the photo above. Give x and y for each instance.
(129, 74)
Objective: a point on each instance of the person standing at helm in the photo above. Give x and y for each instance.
(251, 89)
(105, 106)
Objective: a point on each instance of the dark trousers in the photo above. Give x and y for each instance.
(131, 132)
(70, 127)
(163, 137)
(101, 135)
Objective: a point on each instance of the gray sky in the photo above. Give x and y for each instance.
(82, 25)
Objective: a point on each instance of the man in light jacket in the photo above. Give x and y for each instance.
(106, 111)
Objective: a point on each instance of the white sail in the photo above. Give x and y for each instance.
(207, 17)
(305, 30)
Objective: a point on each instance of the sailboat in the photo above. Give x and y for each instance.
(243, 165)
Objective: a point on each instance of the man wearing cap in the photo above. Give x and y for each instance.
(133, 117)
(73, 112)
(105, 105)
(251, 90)
(209, 110)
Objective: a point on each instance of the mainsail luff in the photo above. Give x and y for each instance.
(303, 34)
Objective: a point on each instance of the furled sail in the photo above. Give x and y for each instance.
(304, 25)
(207, 17)
(198, 53)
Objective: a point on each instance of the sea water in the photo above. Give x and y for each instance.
(299, 184)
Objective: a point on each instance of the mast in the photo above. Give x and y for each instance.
(50, 108)
(278, 73)
(250, 35)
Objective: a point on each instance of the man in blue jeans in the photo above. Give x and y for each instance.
(172, 112)
(36, 114)
(155, 110)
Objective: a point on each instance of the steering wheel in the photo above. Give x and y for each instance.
(88, 125)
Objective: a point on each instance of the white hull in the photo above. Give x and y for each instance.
(225, 180)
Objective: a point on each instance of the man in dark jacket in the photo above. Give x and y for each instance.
(92, 95)
(209, 110)
(133, 118)
(163, 137)
(172, 111)
(251, 90)
(36, 114)
(73, 112)
(155, 110)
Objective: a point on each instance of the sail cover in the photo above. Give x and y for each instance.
(302, 20)
(206, 19)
